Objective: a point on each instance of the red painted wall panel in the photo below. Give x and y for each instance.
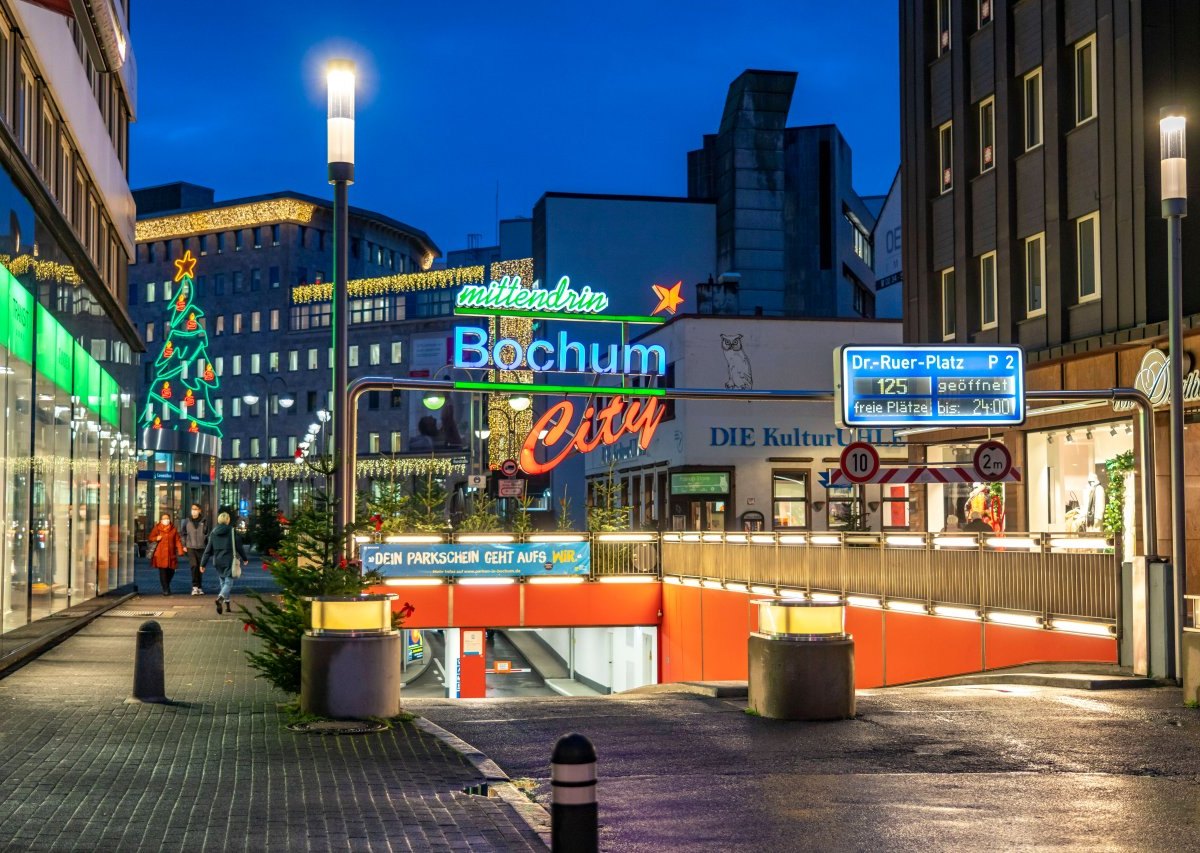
(866, 627)
(922, 647)
(491, 606)
(1009, 646)
(430, 603)
(726, 634)
(579, 605)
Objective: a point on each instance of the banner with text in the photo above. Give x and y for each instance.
(396, 560)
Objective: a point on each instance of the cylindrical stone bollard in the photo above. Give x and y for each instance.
(574, 814)
(148, 681)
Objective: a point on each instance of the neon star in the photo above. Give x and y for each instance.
(668, 297)
(185, 265)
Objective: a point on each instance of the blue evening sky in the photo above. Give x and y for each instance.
(565, 96)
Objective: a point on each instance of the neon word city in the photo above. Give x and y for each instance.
(472, 349)
(507, 294)
(617, 419)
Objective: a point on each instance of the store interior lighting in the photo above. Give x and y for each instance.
(1070, 437)
(1112, 431)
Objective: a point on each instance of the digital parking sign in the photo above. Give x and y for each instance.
(949, 386)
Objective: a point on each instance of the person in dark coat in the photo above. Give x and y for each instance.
(194, 531)
(223, 545)
(168, 548)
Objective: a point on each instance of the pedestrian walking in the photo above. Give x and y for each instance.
(195, 538)
(224, 548)
(168, 548)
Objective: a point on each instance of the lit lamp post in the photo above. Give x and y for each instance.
(285, 399)
(1172, 127)
(340, 83)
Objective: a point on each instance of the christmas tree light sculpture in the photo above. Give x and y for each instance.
(184, 378)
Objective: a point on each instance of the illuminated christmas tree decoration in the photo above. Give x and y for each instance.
(175, 395)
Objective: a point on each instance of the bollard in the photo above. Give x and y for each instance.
(148, 681)
(573, 810)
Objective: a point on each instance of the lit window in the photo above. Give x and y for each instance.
(353, 362)
(1035, 274)
(255, 321)
(1033, 109)
(220, 243)
(789, 497)
(235, 449)
(1085, 80)
(237, 241)
(946, 156)
(150, 290)
(1087, 256)
(862, 241)
(220, 328)
(255, 363)
(274, 446)
(237, 324)
(987, 290)
(312, 358)
(948, 304)
(943, 26)
(273, 362)
(149, 333)
(397, 444)
(293, 360)
(375, 354)
(257, 238)
(274, 235)
(987, 134)
(372, 442)
(396, 351)
(237, 407)
(274, 319)
(237, 368)
(985, 12)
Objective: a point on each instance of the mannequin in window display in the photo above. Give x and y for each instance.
(1093, 517)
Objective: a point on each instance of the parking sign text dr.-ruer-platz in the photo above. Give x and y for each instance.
(899, 386)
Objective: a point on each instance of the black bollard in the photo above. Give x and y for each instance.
(574, 814)
(148, 681)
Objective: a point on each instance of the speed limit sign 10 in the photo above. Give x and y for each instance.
(993, 462)
(860, 462)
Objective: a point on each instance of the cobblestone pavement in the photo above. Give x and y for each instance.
(82, 770)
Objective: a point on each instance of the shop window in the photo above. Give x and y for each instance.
(894, 507)
(987, 291)
(844, 508)
(1033, 109)
(1035, 275)
(1067, 477)
(948, 305)
(949, 505)
(1085, 80)
(789, 499)
(987, 134)
(946, 156)
(1087, 256)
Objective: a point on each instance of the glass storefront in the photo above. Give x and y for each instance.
(951, 505)
(1068, 481)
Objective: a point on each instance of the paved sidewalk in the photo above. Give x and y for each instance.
(82, 770)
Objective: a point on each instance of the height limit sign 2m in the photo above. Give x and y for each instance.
(930, 386)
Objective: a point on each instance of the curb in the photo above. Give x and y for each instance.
(32, 651)
(534, 815)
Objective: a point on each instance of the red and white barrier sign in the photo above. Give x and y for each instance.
(923, 474)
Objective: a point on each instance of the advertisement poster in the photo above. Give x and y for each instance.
(395, 560)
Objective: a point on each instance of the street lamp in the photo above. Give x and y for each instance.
(433, 400)
(286, 400)
(1172, 127)
(339, 78)
(519, 402)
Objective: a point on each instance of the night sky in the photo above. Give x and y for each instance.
(540, 96)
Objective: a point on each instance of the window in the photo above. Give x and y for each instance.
(862, 241)
(372, 442)
(863, 300)
(373, 401)
(353, 362)
(985, 12)
(946, 156)
(293, 360)
(220, 328)
(274, 446)
(1085, 80)
(1087, 256)
(239, 281)
(256, 321)
(789, 499)
(274, 235)
(375, 354)
(397, 399)
(255, 363)
(895, 507)
(311, 401)
(274, 319)
(987, 291)
(397, 442)
(237, 324)
(1035, 274)
(219, 284)
(1033, 109)
(254, 443)
(257, 232)
(202, 242)
(149, 333)
(237, 371)
(219, 365)
(273, 275)
(843, 508)
(273, 362)
(220, 243)
(237, 241)
(948, 306)
(312, 358)
(150, 291)
(943, 26)
(166, 291)
(987, 134)
(237, 407)
(255, 280)
(397, 348)
(236, 448)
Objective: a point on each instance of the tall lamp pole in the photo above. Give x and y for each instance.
(340, 83)
(1172, 127)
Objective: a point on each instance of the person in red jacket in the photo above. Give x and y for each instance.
(168, 548)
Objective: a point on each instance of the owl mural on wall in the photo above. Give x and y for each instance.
(740, 375)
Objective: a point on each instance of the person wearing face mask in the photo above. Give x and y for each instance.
(224, 547)
(168, 548)
(195, 537)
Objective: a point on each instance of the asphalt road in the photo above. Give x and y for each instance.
(430, 684)
(966, 768)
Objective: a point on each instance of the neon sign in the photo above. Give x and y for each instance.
(507, 295)
(604, 427)
(472, 349)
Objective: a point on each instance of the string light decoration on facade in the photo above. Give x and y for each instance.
(42, 270)
(508, 427)
(377, 468)
(231, 218)
(183, 374)
(383, 285)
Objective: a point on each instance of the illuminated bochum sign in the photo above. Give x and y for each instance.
(562, 355)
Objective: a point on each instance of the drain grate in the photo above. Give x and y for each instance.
(141, 614)
(339, 727)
